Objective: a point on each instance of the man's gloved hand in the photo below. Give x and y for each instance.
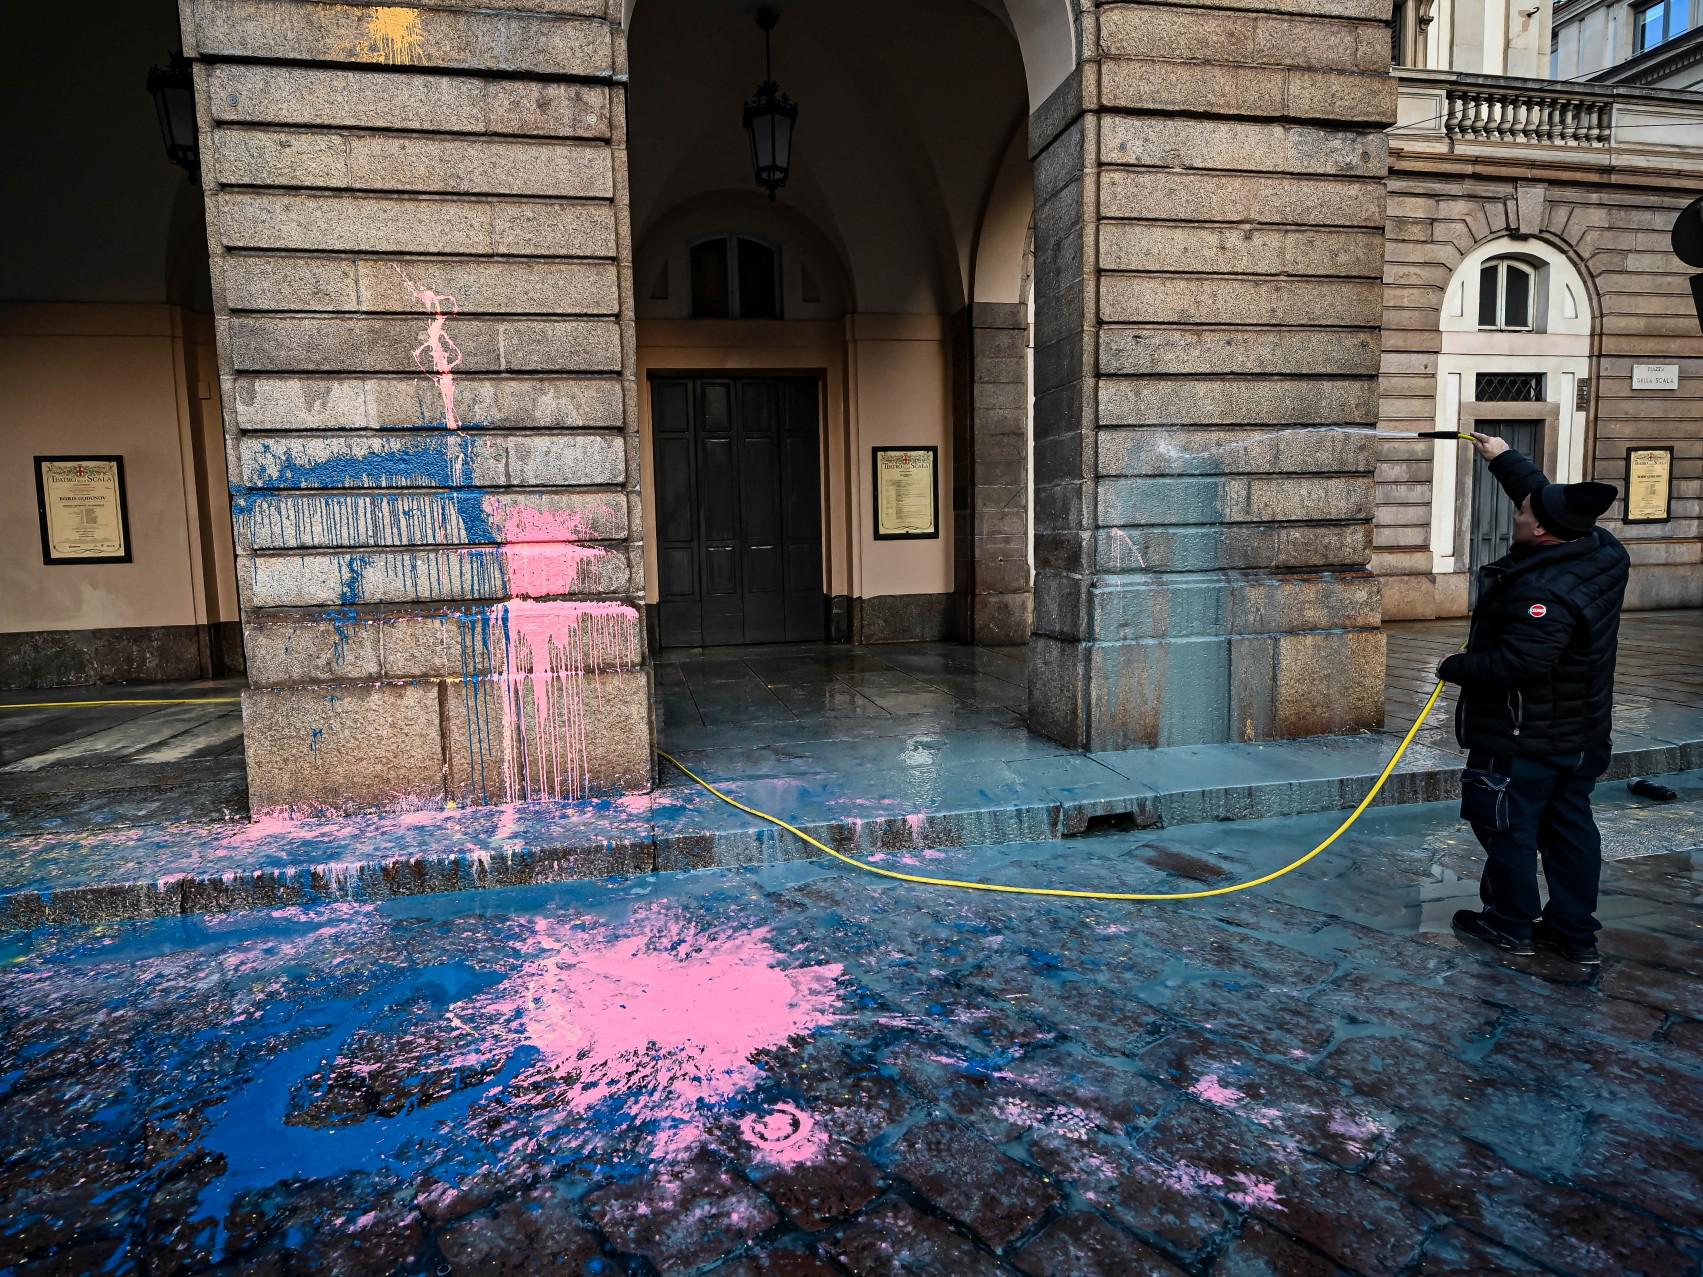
(1443, 668)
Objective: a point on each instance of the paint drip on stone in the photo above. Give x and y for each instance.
(546, 656)
(444, 353)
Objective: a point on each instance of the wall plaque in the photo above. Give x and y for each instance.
(1649, 484)
(1655, 376)
(907, 493)
(84, 518)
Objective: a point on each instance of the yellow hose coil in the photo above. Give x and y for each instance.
(963, 885)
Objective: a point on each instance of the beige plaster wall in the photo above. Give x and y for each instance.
(901, 388)
(886, 380)
(107, 379)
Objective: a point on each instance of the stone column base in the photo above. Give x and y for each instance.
(1215, 658)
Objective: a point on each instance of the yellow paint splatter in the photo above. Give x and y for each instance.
(393, 37)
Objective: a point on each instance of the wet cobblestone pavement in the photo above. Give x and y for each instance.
(797, 1070)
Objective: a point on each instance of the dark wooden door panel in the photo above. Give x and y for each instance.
(738, 502)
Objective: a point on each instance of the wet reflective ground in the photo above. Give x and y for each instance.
(800, 1070)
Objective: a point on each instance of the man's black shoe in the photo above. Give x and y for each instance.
(1547, 938)
(1473, 926)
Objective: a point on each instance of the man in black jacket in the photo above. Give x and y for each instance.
(1536, 700)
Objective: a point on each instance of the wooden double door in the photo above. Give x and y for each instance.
(738, 509)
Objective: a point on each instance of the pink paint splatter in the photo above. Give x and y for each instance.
(1210, 1089)
(660, 1017)
(785, 1136)
(445, 354)
(1251, 1193)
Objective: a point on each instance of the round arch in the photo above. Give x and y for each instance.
(1556, 348)
(1045, 31)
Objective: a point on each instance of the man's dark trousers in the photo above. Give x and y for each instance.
(1547, 810)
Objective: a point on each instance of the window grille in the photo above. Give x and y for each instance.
(1509, 387)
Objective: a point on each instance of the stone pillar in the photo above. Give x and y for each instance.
(422, 279)
(990, 481)
(1209, 243)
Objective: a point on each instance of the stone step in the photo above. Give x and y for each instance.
(895, 815)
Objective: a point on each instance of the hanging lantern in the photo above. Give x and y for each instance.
(174, 102)
(769, 119)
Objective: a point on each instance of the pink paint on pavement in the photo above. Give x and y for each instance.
(445, 354)
(918, 824)
(1254, 1194)
(661, 1017)
(785, 1136)
(1210, 1089)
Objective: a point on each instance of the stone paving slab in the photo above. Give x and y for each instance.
(801, 1071)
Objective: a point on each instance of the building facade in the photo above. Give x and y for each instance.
(1078, 336)
(1531, 289)
(1656, 44)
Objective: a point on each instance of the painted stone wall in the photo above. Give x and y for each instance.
(1617, 237)
(1209, 213)
(422, 277)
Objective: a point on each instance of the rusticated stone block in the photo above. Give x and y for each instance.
(1252, 546)
(276, 282)
(1372, 10)
(1290, 604)
(1242, 145)
(1222, 197)
(1131, 401)
(430, 460)
(1244, 499)
(1272, 91)
(566, 736)
(332, 520)
(240, 93)
(396, 224)
(397, 36)
(365, 461)
(422, 576)
(1242, 250)
(1158, 31)
(1213, 299)
(374, 403)
(1057, 686)
(348, 747)
(312, 648)
(1237, 350)
(268, 343)
(1238, 450)
(1327, 95)
(473, 641)
(1324, 683)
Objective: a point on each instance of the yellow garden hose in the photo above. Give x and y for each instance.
(963, 885)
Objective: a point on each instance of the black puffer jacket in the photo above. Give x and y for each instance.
(1537, 677)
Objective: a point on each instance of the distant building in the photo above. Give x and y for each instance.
(1528, 274)
(1655, 45)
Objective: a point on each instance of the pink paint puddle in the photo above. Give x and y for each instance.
(662, 1018)
(785, 1136)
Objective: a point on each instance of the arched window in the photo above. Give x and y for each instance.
(735, 277)
(1506, 291)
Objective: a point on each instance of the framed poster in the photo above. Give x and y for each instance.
(1649, 484)
(84, 516)
(907, 493)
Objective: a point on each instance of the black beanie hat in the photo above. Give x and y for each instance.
(1569, 510)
